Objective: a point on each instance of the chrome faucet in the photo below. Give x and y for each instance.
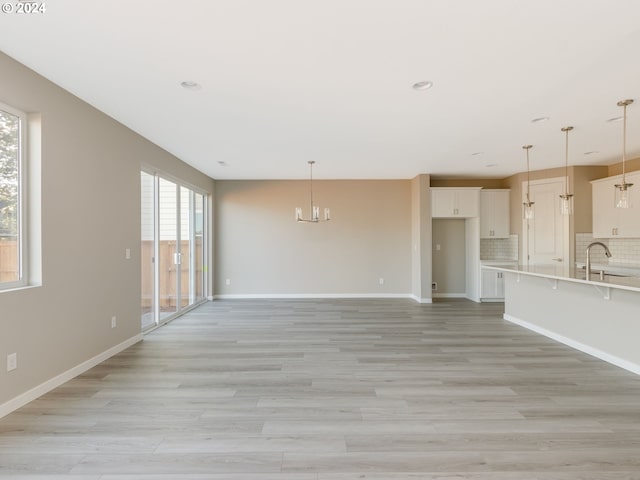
(588, 265)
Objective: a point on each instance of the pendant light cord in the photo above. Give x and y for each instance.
(624, 104)
(311, 187)
(527, 147)
(624, 140)
(566, 161)
(566, 130)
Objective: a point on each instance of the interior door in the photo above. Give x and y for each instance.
(546, 235)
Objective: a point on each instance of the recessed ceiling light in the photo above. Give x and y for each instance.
(477, 153)
(190, 85)
(489, 165)
(424, 85)
(591, 152)
(540, 120)
(222, 163)
(615, 119)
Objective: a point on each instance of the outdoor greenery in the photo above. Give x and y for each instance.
(9, 144)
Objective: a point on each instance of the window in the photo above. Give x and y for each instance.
(12, 241)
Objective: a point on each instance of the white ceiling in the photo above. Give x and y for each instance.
(287, 81)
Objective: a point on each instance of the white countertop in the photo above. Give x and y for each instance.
(570, 274)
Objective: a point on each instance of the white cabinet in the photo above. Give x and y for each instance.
(455, 202)
(605, 217)
(492, 285)
(494, 213)
(612, 222)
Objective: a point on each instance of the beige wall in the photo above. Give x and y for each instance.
(467, 182)
(90, 212)
(449, 262)
(261, 249)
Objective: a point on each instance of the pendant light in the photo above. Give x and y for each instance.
(622, 189)
(315, 211)
(566, 200)
(528, 204)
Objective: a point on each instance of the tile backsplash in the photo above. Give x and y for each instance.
(624, 251)
(499, 248)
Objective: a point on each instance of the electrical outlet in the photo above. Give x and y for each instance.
(434, 286)
(228, 281)
(12, 361)
(127, 254)
(114, 322)
(381, 281)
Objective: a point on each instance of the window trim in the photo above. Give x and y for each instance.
(21, 220)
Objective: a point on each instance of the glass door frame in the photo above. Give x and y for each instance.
(192, 299)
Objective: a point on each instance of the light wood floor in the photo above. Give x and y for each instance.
(335, 390)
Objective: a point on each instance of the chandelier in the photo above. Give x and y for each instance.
(622, 189)
(315, 211)
(528, 204)
(566, 200)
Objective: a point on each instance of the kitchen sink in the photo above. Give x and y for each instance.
(596, 273)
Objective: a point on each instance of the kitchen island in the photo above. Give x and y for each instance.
(600, 316)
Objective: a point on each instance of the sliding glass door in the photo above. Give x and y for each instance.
(169, 249)
(198, 245)
(147, 250)
(177, 256)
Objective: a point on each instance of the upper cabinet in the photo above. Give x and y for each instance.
(455, 202)
(612, 222)
(494, 213)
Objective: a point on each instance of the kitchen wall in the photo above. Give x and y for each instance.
(499, 248)
(262, 250)
(579, 183)
(467, 182)
(89, 214)
(579, 178)
(624, 251)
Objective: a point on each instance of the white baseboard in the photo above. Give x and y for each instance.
(36, 392)
(594, 352)
(449, 295)
(254, 296)
(421, 300)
